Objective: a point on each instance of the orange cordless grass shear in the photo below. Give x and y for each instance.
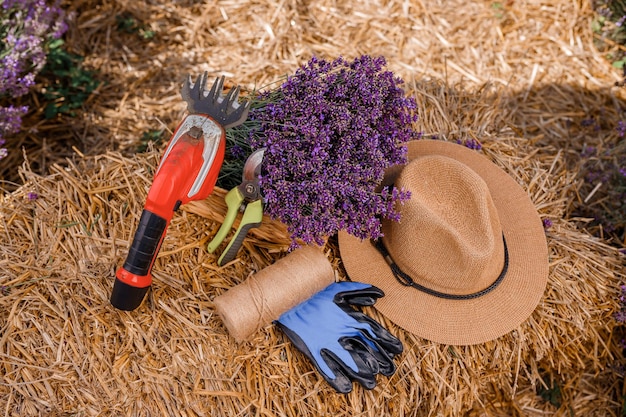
(187, 172)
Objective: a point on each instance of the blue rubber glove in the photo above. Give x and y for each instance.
(342, 343)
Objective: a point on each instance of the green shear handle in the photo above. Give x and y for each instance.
(252, 217)
(246, 194)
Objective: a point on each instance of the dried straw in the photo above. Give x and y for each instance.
(64, 349)
(515, 78)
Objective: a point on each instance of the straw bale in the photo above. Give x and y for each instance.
(64, 349)
(517, 78)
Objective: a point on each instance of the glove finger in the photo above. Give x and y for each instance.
(333, 369)
(358, 345)
(325, 371)
(366, 376)
(342, 382)
(370, 351)
(388, 342)
(361, 297)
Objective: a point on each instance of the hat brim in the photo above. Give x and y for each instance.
(464, 322)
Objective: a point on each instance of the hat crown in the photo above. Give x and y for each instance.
(449, 238)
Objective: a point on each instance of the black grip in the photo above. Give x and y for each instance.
(233, 247)
(126, 297)
(145, 243)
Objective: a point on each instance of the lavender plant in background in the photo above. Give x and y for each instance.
(470, 143)
(331, 130)
(604, 188)
(621, 315)
(26, 26)
(547, 223)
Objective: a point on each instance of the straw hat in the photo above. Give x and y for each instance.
(467, 262)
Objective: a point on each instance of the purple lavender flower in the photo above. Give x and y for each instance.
(237, 151)
(620, 316)
(331, 130)
(470, 143)
(10, 120)
(621, 128)
(588, 122)
(547, 223)
(26, 26)
(588, 151)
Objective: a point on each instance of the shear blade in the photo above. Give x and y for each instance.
(226, 110)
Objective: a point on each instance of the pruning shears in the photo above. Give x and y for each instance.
(245, 197)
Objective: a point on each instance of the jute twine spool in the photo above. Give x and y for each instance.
(264, 296)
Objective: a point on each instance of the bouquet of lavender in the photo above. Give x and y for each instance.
(330, 131)
(26, 26)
